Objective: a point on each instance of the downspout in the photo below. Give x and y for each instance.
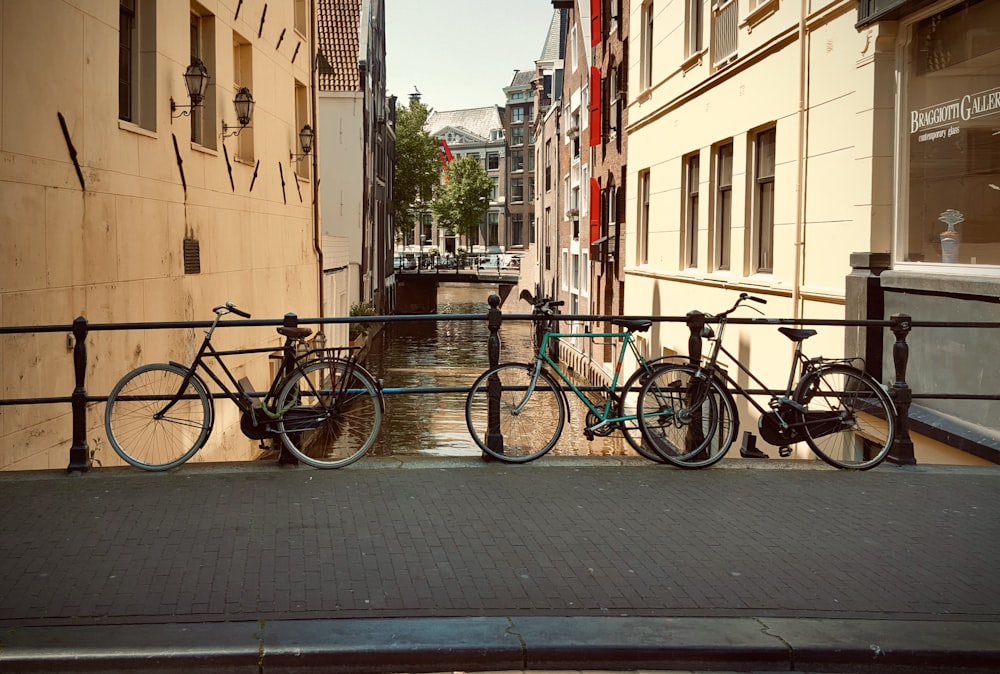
(800, 175)
(314, 115)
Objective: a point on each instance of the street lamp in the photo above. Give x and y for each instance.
(243, 105)
(195, 81)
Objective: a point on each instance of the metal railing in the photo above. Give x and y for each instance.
(900, 325)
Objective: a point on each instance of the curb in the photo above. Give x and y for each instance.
(528, 643)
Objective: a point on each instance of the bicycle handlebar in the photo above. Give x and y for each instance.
(230, 308)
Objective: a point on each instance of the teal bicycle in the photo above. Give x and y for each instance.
(516, 412)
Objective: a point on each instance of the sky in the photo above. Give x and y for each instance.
(461, 53)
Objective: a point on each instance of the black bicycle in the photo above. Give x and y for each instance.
(322, 404)
(844, 415)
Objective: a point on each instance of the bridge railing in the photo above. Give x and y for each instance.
(900, 326)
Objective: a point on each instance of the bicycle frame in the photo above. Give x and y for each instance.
(542, 357)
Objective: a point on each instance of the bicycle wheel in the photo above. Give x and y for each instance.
(850, 422)
(526, 433)
(149, 432)
(331, 413)
(628, 404)
(687, 419)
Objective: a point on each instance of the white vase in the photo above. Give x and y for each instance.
(949, 248)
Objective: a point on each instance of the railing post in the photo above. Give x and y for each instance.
(79, 453)
(285, 457)
(494, 438)
(902, 447)
(695, 323)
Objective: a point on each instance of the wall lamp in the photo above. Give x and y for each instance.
(195, 81)
(243, 104)
(306, 136)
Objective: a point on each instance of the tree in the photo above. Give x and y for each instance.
(463, 200)
(418, 164)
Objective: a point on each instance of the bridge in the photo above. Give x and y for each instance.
(416, 289)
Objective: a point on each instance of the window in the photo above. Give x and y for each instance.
(301, 17)
(517, 189)
(690, 215)
(203, 129)
(494, 190)
(531, 188)
(531, 161)
(763, 201)
(137, 63)
(516, 229)
(725, 27)
(517, 160)
(492, 228)
(694, 26)
(722, 240)
(302, 166)
(243, 77)
(517, 135)
(949, 170)
(517, 114)
(492, 161)
(646, 58)
(642, 242)
(548, 165)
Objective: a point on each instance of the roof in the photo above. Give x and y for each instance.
(522, 79)
(477, 121)
(552, 49)
(338, 24)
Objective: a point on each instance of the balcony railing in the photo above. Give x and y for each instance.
(725, 29)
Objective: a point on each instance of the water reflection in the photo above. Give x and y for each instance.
(453, 354)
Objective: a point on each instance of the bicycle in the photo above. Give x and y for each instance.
(843, 414)
(530, 408)
(322, 404)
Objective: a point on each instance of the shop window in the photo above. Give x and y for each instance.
(949, 208)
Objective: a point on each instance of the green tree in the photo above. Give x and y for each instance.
(463, 200)
(418, 165)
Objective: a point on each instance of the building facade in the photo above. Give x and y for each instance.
(608, 113)
(520, 175)
(933, 157)
(479, 133)
(125, 199)
(357, 137)
(736, 185)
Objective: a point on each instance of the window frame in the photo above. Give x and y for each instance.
(763, 199)
(690, 180)
(722, 234)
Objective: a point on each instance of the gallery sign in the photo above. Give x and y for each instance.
(930, 120)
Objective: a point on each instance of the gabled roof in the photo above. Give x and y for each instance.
(338, 26)
(522, 79)
(552, 49)
(476, 121)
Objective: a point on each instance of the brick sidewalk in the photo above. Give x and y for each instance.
(383, 539)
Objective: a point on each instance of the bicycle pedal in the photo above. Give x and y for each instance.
(589, 434)
(785, 452)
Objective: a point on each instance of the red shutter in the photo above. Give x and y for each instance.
(595, 22)
(595, 107)
(595, 210)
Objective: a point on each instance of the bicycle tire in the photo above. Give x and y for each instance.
(689, 425)
(333, 412)
(148, 441)
(853, 422)
(524, 436)
(628, 403)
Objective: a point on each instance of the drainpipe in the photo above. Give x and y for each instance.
(314, 94)
(800, 177)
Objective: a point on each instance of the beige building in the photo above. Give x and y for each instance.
(764, 150)
(123, 201)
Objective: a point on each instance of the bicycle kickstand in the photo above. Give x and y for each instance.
(748, 450)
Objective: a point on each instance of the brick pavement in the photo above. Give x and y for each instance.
(556, 539)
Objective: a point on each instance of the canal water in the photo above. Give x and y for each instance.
(453, 354)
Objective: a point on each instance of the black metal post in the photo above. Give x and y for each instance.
(287, 365)
(695, 323)
(494, 437)
(902, 446)
(79, 453)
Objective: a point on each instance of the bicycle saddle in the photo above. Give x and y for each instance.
(796, 334)
(637, 325)
(294, 333)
